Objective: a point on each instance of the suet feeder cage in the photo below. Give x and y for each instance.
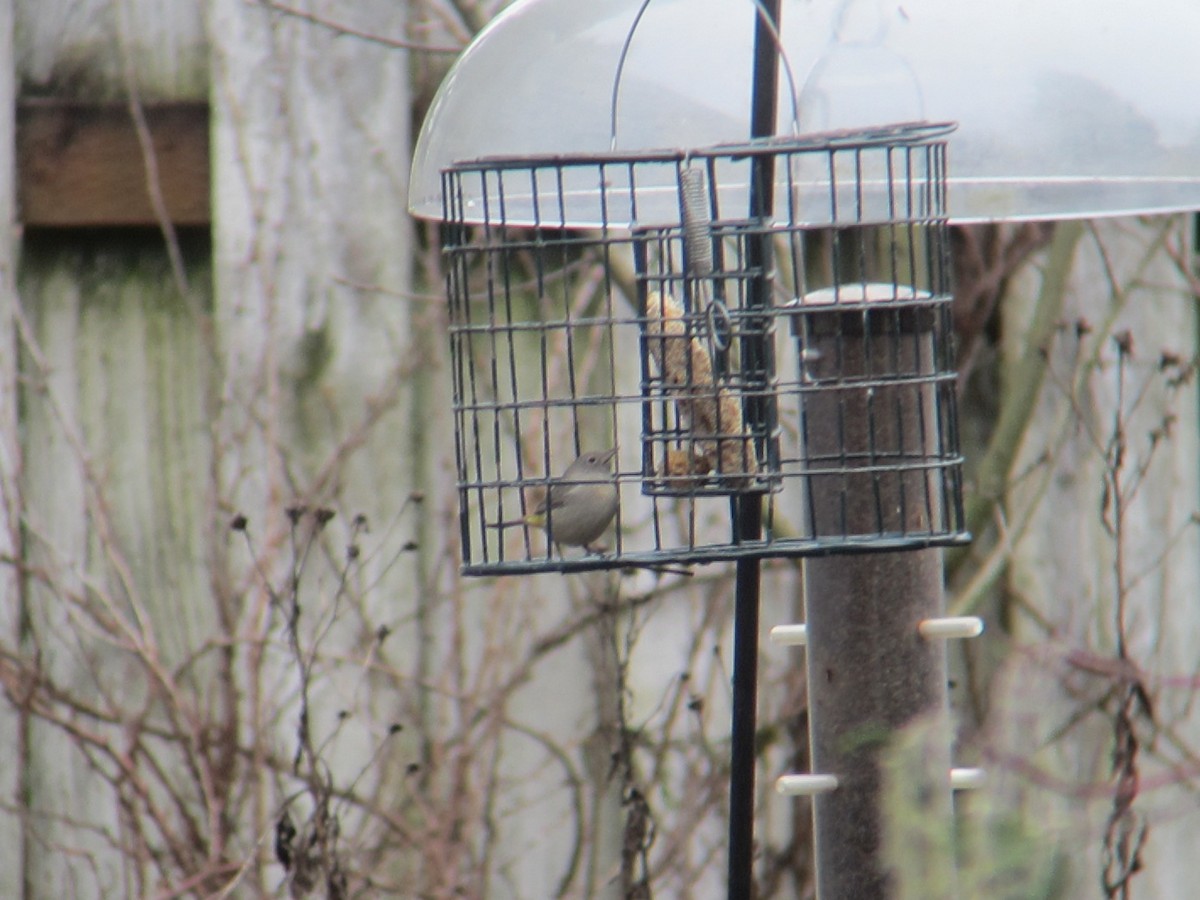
(640, 301)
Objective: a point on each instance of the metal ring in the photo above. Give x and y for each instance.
(719, 330)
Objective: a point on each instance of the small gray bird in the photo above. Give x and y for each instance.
(578, 505)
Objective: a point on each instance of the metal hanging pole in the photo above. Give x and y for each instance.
(745, 695)
(747, 507)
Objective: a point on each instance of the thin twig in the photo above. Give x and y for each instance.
(340, 28)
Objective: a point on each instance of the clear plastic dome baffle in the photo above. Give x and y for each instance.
(1065, 109)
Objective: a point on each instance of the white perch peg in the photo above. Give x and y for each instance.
(951, 627)
(967, 779)
(790, 635)
(805, 785)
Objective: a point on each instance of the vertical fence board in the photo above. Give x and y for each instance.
(115, 447)
(320, 352)
(12, 846)
(114, 440)
(1065, 561)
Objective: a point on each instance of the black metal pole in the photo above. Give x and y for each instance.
(747, 508)
(764, 101)
(745, 701)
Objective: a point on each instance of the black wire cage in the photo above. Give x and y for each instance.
(644, 311)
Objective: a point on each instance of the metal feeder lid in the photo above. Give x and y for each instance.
(1073, 108)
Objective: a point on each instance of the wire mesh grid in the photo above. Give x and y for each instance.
(633, 346)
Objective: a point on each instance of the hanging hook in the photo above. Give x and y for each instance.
(776, 40)
(612, 112)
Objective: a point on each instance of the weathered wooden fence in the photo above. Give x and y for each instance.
(171, 364)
